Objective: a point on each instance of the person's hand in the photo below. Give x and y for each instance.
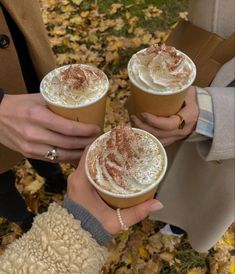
(166, 129)
(83, 193)
(29, 127)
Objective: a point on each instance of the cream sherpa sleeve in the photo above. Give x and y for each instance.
(55, 244)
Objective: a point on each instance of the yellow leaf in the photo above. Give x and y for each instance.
(34, 186)
(232, 268)
(93, 38)
(143, 253)
(168, 257)
(133, 20)
(192, 272)
(146, 38)
(65, 41)
(115, 7)
(77, 20)
(67, 8)
(77, 2)
(111, 56)
(151, 12)
(184, 15)
(128, 15)
(197, 270)
(124, 234)
(119, 24)
(84, 14)
(2, 220)
(229, 239)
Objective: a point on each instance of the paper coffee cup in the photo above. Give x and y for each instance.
(117, 200)
(91, 111)
(154, 101)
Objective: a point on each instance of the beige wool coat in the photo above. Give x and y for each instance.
(26, 14)
(198, 190)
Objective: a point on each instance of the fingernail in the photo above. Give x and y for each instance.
(97, 130)
(132, 118)
(143, 115)
(155, 206)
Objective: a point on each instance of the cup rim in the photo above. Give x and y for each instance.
(165, 93)
(70, 106)
(118, 195)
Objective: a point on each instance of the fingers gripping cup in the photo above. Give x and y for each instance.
(125, 166)
(77, 92)
(160, 77)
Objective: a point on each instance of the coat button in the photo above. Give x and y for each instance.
(4, 41)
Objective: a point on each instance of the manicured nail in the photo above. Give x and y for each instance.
(143, 115)
(97, 130)
(132, 118)
(155, 206)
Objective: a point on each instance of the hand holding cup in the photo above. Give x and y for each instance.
(83, 193)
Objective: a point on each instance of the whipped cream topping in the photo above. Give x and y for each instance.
(125, 160)
(74, 85)
(161, 69)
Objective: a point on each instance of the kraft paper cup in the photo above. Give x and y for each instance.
(157, 103)
(127, 200)
(91, 113)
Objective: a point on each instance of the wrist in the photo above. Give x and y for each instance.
(88, 221)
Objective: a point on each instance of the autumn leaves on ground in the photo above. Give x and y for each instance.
(105, 33)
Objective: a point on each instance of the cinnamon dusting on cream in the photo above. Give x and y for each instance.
(161, 68)
(125, 161)
(74, 85)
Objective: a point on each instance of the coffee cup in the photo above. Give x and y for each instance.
(77, 92)
(126, 165)
(160, 77)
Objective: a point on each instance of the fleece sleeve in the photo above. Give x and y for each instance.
(55, 244)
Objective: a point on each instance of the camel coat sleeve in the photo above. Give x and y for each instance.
(26, 14)
(55, 244)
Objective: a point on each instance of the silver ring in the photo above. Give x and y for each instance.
(124, 227)
(51, 154)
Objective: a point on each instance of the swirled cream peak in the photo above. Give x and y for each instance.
(125, 160)
(74, 85)
(161, 69)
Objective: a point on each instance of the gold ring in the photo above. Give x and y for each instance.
(182, 121)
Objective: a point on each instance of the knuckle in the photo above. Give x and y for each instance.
(66, 144)
(71, 128)
(87, 130)
(26, 148)
(139, 214)
(72, 143)
(170, 127)
(32, 112)
(186, 131)
(152, 122)
(28, 134)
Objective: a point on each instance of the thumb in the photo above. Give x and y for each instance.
(139, 212)
(81, 165)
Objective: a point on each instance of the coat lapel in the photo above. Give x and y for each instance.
(26, 14)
